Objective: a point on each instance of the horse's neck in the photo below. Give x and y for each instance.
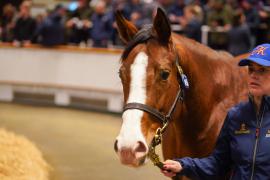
(196, 115)
(214, 87)
(202, 95)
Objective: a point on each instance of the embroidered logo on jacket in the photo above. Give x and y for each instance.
(243, 129)
(267, 133)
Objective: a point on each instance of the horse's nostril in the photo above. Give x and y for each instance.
(115, 146)
(140, 148)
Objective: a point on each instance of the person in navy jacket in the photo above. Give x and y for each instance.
(243, 146)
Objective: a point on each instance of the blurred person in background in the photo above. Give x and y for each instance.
(232, 4)
(264, 28)
(25, 25)
(7, 23)
(111, 7)
(101, 30)
(165, 4)
(218, 14)
(266, 3)
(219, 19)
(131, 6)
(192, 22)
(252, 18)
(78, 22)
(133, 10)
(239, 34)
(176, 11)
(51, 31)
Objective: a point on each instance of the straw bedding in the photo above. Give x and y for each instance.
(20, 159)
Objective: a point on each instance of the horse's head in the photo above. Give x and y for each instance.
(149, 77)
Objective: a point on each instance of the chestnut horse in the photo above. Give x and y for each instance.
(151, 79)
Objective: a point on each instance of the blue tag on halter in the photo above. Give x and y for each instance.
(185, 81)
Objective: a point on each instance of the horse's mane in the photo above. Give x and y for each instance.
(199, 48)
(145, 34)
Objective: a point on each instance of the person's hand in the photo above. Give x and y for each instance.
(16, 43)
(214, 24)
(172, 18)
(183, 21)
(227, 27)
(87, 24)
(70, 23)
(26, 43)
(171, 168)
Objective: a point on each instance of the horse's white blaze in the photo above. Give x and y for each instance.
(130, 132)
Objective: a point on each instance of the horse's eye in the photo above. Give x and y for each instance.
(164, 74)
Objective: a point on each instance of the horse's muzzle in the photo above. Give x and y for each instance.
(133, 156)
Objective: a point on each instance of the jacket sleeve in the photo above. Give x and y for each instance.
(213, 166)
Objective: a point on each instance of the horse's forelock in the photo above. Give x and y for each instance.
(141, 37)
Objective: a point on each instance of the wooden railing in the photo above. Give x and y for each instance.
(69, 74)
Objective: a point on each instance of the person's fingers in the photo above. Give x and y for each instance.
(168, 167)
(168, 174)
(169, 161)
(173, 166)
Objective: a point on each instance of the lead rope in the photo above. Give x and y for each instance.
(153, 156)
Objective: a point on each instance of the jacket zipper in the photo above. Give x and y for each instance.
(257, 133)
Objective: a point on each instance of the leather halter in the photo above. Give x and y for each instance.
(163, 119)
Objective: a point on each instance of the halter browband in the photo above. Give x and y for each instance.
(163, 119)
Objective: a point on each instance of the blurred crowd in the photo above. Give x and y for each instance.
(235, 25)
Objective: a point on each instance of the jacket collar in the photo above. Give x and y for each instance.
(267, 100)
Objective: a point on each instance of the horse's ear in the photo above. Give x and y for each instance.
(126, 29)
(162, 27)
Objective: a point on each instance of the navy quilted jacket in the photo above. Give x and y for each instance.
(243, 147)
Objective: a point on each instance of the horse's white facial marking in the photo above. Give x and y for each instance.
(130, 132)
(138, 79)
